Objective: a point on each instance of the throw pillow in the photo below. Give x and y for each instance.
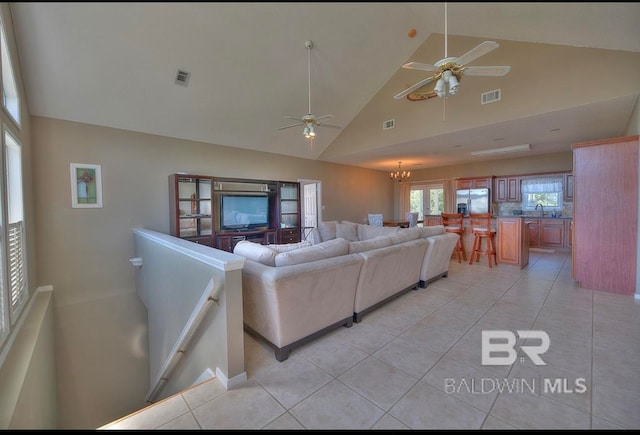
(328, 249)
(256, 252)
(327, 230)
(348, 231)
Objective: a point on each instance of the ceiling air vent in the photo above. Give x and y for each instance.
(490, 97)
(182, 78)
(388, 124)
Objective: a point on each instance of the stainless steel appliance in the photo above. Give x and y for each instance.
(472, 201)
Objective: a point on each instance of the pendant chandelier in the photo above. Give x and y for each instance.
(400, 175)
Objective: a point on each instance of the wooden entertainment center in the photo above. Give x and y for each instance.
(220, 212)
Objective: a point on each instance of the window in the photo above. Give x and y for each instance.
(10, 98)
(426, 199)
(16, 277)
(14, 289)
(544, 191)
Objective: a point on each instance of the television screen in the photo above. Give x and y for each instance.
(244, 211)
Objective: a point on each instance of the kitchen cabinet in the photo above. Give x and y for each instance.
(474, 183)
(507, 189)
(604, 243)
(534, 240)
(551, 232)
(548, 232)
(568, 187)
(513, 241)
(431, 220)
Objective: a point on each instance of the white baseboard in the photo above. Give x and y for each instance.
(230, 383)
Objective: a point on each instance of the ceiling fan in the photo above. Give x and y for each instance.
(310, 121)
(449, 71)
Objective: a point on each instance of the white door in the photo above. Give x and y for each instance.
(310, 192)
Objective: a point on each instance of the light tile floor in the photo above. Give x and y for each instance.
(416, 363)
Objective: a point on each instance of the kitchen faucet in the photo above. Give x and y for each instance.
(541, 207)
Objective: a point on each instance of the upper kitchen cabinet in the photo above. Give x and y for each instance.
(474, 183)
(507, 189)
(605, 220)
(568, 187)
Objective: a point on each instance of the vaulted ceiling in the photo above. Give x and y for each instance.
(575, 74)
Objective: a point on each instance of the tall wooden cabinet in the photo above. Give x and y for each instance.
(605, 232)
(220, 212)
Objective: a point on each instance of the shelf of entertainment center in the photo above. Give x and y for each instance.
(227, 240)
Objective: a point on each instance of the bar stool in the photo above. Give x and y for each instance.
(481, 229)
(453, 224)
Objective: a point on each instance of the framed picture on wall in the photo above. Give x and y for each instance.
(86, 186)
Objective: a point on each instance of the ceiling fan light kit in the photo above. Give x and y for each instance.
(310, 121)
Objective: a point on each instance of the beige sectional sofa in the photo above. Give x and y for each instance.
(297, 292)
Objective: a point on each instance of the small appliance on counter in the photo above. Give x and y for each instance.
(517, 212)
(462, 208)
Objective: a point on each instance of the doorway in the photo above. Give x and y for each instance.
(311, 208)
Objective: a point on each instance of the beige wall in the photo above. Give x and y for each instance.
(514, 166)
(84, 253)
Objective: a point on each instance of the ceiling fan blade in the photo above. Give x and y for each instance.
(319, 118)
(323, 124)
(419, 66)
(480, 50)
(486, 70)
(289, 126)
(421, 95)
(413, 88)
(294, 118)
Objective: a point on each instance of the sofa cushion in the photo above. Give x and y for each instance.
(367, 245)
(256, 252)
(327, 230)
(366, 232)
(290, 246)
(330, 248)
(432, 230)
(347, 231)
(404, 235)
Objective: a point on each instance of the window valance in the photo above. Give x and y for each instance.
(542, 185)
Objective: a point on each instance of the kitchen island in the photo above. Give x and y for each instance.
(512, 240)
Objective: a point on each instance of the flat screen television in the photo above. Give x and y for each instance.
(243, 212)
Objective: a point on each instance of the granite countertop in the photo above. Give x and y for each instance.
(526, 216)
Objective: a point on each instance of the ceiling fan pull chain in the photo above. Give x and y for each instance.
(444, 109)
